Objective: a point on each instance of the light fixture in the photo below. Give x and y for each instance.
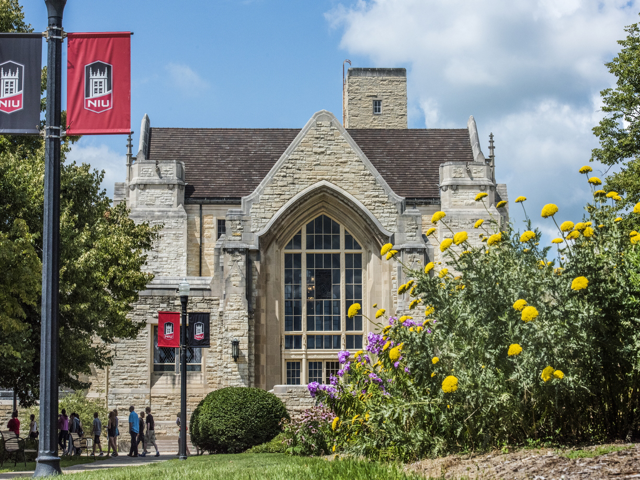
(235, 349)
(184, 288)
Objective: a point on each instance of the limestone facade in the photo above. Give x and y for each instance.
(234, 252)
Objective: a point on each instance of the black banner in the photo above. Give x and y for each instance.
(198, 332)
(20, 71)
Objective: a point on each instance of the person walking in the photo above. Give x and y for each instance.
(141, 436)
(13, 425)
(63, 426)
(73, 428)
(97, 431)
(180, 433)
(33, 428)
(151, 431)
(111, 434)
(134, 428)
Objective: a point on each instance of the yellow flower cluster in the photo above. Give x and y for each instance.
(557, 240)
(585, 169)
(519, 305)
(435, 360)
(446, 243)
(335, 423)
(380, 312)
(580, 226)
(573, 235)
(527, 236)
(404, 287)
(612, 194)
(599, 193)
(404, 318)
(618, 219)
(579, 283)
(514, 349)
(386, 345)
(480, 196)
(547, 373)
(558, 374)
(450, 384)
(428, 267)
(386, 248)
(478, 223)
(501, 203)
(436, 217)
(636, 208)
(635, 239)
(529, 313)
(495, 238)
(429, 311)
(353, 310)
(549, 210)
(443, 272)
(595, 181)
(431, 231)
(588, 232)
(521, 199)
(414, 303)
(460, 237)
(394, 354)
(566, 226)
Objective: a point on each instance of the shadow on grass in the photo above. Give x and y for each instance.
(65, 461)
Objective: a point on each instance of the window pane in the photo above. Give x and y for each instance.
(331, 369)
(293, 373)
(315, 372)
(164, 358)
(222, 228)
(295, 242)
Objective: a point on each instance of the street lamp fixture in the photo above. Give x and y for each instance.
(235, 349)
(183, 291)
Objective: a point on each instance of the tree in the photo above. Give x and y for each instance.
(619, 132)
(102, 255)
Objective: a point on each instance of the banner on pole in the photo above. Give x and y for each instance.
(169, 329)
(20, 72)
(98, 83)
(199, 330)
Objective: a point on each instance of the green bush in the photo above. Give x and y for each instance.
(233, 419)
(276, 445)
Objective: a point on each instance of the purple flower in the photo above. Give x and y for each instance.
(313, 388)
(343, 356)
(333, 380)
(329, 389)
(366, 357)
(374, 344)
(395, 365)
(375, 378)
(406, 370)
(345, 369)
(429, 330)
(392, 320)
(364, 391)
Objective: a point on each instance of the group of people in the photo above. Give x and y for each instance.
(13, 425)
(137, 424)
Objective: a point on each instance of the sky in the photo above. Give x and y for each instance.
(529, 71)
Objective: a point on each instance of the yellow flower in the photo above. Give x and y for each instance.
(418, 329)
(335, 422)
(549, 210)
(573, 235)
(558, 374)
(547, 374)
(481, 221)
(433, 374)
(428, 267)
(585, 169)
(386, 345)
(375, 305)
(633, 233)
(460, 237)
(618, 219)
(580, 226)
(558, 270)
(450, 384)
(414, 303)
(480, 196)
(579, 283)
(617, 198)
(599, 193)
(521, 199)
(386, 329)
(436, 217)
(334, 449)
(443, 272)
(495, 238)
(529, 313)
(402, 288)
(353, 310)
(446, 243)
(386, 248)
(527, 236)
(557, 240)
(635, 239)
(380, 312)
(429, 311)
(413, 289)
(394, 354)
(404, 318)
(514, 349)
(519, 305)
(501, 203)
(391, 254)
(435, 360)
(601, 226)
(588, 224)
(354, 419)
(612, 194)
(636, 209)
(566, 226)
(595, 181)
(431, 231)
(588, 232)
(525, 250)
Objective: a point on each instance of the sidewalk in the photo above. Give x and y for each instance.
(111, 462)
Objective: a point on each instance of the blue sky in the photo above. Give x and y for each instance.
(530, 71)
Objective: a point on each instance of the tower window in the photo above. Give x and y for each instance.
(222, 228)
(377, 107)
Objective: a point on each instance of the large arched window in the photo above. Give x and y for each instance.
(322, 279)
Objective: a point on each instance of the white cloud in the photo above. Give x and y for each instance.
(101, 157)
(529, 71)
(185, 79)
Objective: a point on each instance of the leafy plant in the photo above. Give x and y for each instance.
(309, 433)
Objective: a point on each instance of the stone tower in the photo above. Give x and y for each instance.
(376, 98)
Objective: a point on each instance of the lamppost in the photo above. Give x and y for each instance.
(48, 462)
(183, 291)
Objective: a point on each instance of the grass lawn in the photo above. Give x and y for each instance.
(245, 466)
(64, 462)
(601, 450)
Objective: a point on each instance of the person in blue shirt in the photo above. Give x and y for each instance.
(134, 429)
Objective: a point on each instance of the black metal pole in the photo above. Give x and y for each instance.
(183, 380)
(48, 462)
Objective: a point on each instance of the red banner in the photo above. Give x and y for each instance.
(169, 329)
(98, 83)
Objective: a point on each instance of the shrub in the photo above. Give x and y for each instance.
(507, 346)
(276, 445)
(233, 419)
(309, 433)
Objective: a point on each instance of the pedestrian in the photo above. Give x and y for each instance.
(151, 431)
(97, 431)
(111, 434)
(134, 427)
(115, 411)
(73, 428)
(33, 428)
(180, 433)
(13, 425)
(141, 436)
(63, 426)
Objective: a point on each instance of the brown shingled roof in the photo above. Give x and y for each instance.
(231, 162)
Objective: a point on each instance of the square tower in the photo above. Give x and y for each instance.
(375, 98)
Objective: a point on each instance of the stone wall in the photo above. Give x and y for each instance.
(295, 397)
(364, 85)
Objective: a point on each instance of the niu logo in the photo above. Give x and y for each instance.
(11, 84)
(168, 331)
(198, 333)
(98, 83)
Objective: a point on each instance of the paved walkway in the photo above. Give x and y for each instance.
(111, 462)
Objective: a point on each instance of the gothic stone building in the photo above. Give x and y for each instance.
(278, 232)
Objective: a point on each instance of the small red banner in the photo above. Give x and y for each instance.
(169, 329)
(98, 83)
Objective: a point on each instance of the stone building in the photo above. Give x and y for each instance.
(257, 219)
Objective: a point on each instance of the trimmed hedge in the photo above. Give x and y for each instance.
(233, 419)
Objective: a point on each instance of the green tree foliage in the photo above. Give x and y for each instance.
(480, 370)
(102, 255)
